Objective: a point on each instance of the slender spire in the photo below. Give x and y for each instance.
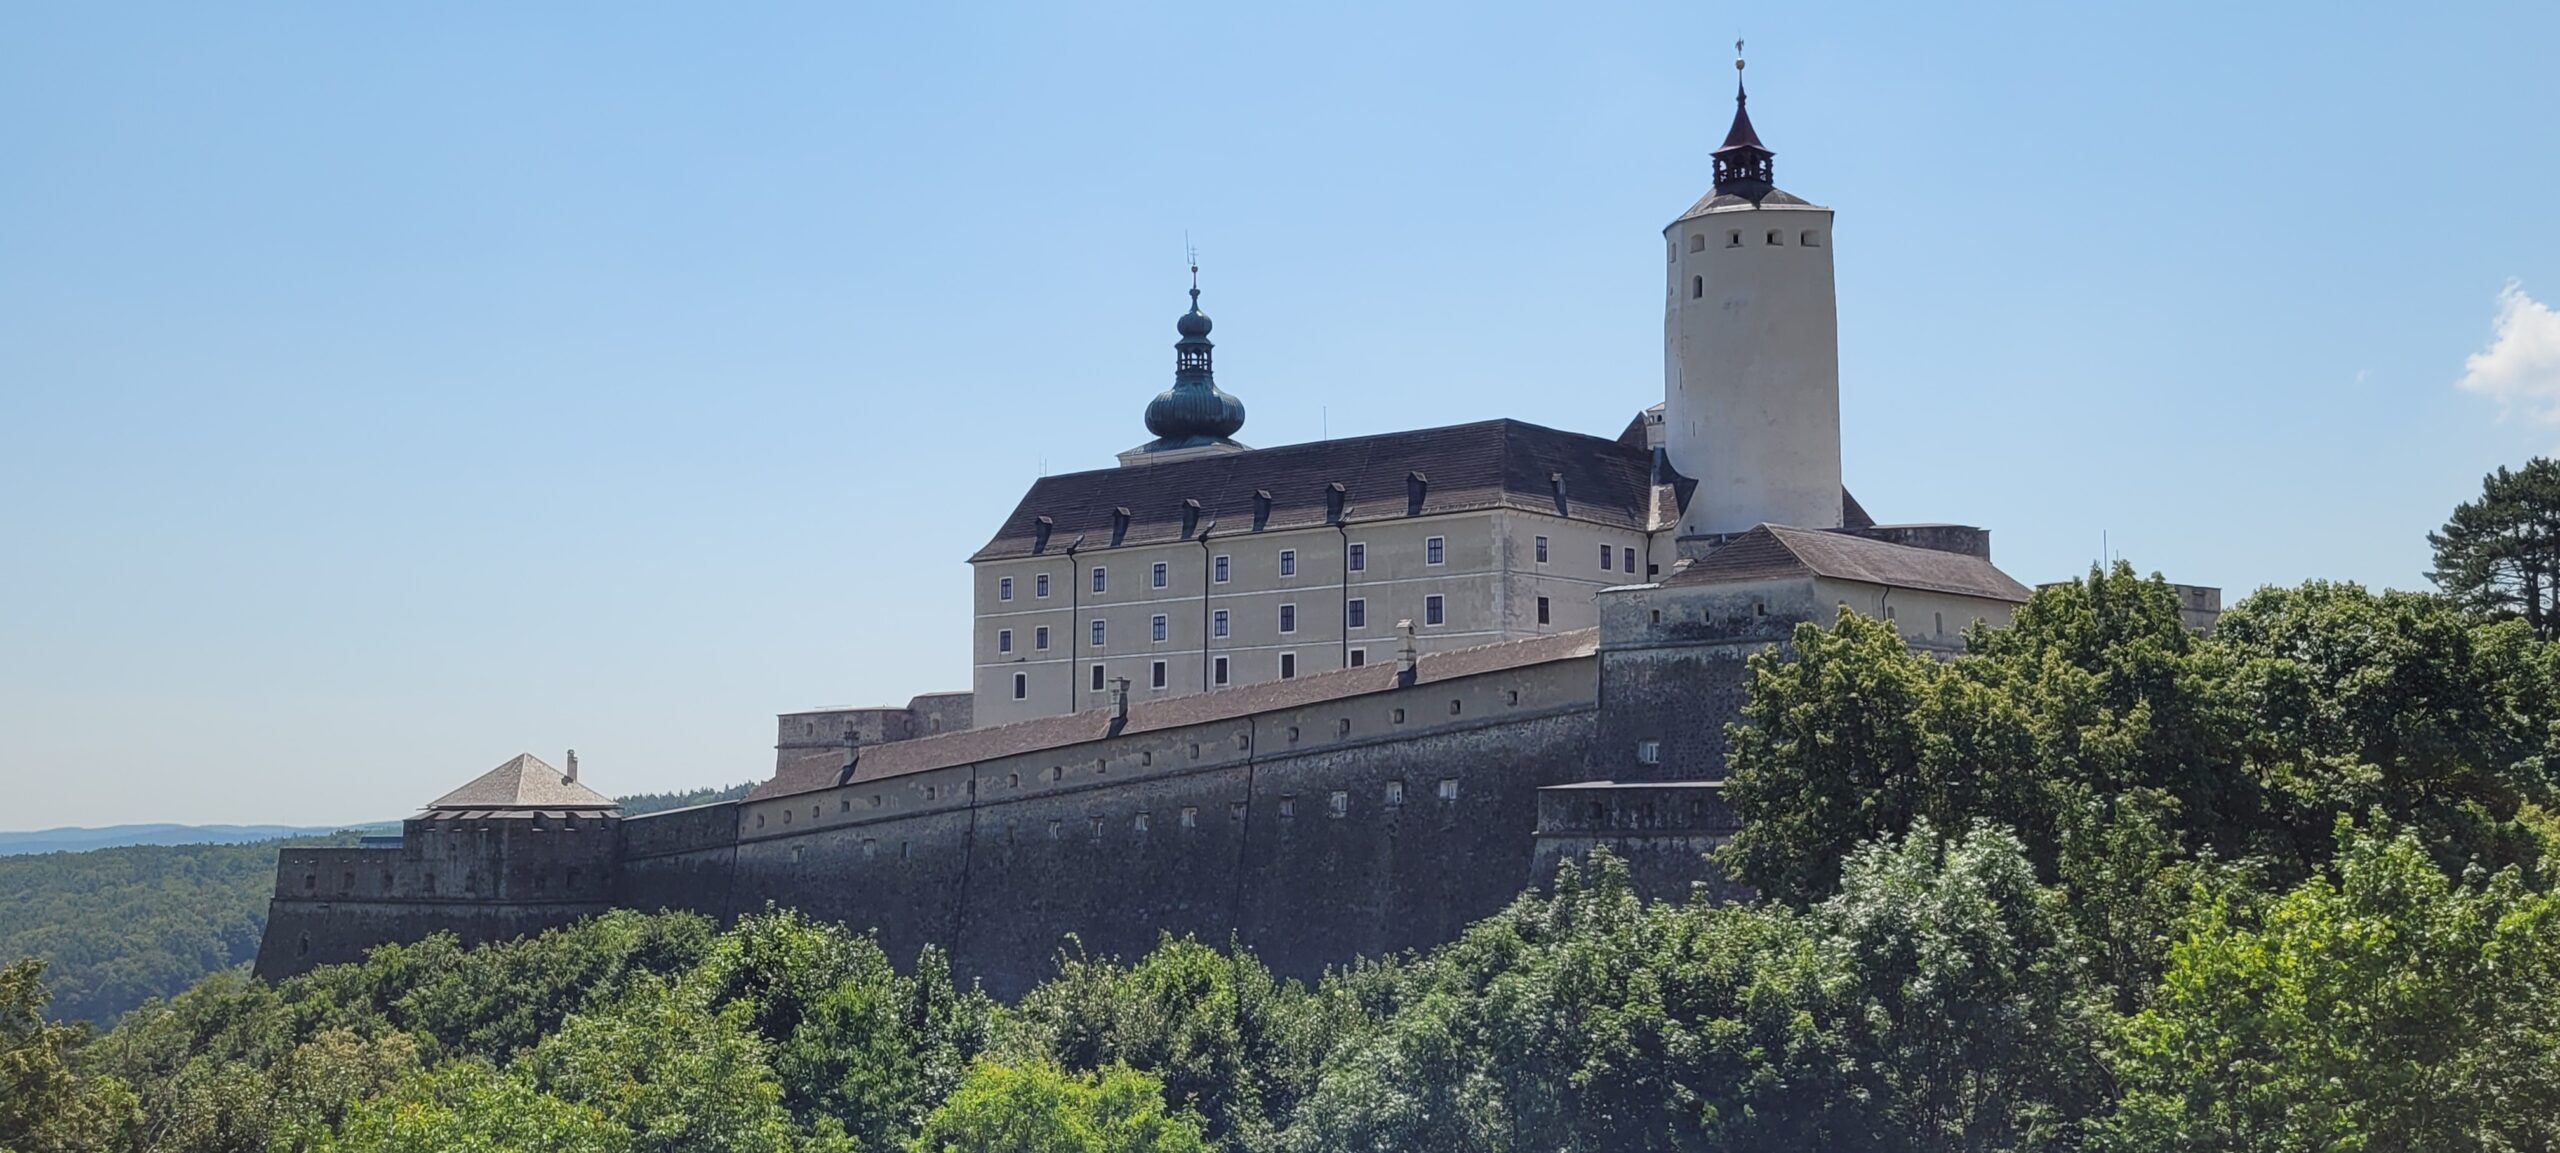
(1742, 162)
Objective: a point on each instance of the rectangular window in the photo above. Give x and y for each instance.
(1158, 628)
(1101, 578)
(1004, 640)
(1630, 557)
(1435, 550)
(1157, 575)
(1355, 613)
(1608, 557)
(1218, 624)
(1040, 585)
(1155, 675)
(1288, 665)
(1099, 631)
(1138, 824)
(1004, 588)
(1434, 610)
(1040, 638)
(1543, 616)
(1358, 558)
(1448, 788)
(1218, 670)
(1190, 817)
(1288, 619)
(1359, 657)
(1097, 678)
(1542, 550)
(1395, 793)
(1219, 567)
(1337, 803)
(1648, 752)
(1021, 686)
(1288, 562)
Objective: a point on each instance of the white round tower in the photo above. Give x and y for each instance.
(1751, 349)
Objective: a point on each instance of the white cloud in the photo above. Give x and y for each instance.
(2521, 367)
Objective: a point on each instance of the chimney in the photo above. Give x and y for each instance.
(1408, 658)
(1119, 704)
(572, 775)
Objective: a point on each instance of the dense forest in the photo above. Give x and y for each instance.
(2098, 883)
(116, 927)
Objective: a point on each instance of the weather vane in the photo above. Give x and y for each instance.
(1737, 55)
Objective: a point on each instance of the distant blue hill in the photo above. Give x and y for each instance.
(75, 840)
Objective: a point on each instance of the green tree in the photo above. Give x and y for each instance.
(1039, 1108)
(467, 1106)
(2501, 553)
(2385, 1007)
(683, 1075)
(45, 1105)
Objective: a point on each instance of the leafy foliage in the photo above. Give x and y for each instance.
(2098, 883)
(2501, 553)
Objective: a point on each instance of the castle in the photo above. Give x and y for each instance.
(1326, 700)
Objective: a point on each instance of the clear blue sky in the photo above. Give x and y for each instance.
(386, 390)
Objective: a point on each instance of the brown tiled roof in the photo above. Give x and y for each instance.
(523, 783)
(1489, 464)
(898, 758)
(1773, 552)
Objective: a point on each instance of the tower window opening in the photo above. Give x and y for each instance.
(1697, 287)
(1810, 239)
(1733, 239)
(1698, 243)
(1777, 237)
(1021, 686)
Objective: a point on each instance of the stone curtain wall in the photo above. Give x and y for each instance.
(481, 880)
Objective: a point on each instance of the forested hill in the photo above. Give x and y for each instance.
(2109, 887)
(119, 926)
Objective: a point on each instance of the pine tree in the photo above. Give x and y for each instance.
(2501, 553)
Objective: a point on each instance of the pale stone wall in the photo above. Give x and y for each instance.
(1751, 368)
(1489, 581)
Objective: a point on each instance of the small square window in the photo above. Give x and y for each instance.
(1648, 752)
(1435, 550)
(1004, 588)
(1697, 242)
(1288, 619)
(1355, 613)
(1040, 585)
(1288, 665)
(1434, 610)
(1342, 727)
(1157, 575)
(1359, 657)
(1288, 562)
(1057, 772)
(1397, 716)
(1338, 803)
(1218, 569)
(1156, 674)
(1357, 560)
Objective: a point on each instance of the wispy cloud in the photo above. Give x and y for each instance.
(2521, 367)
